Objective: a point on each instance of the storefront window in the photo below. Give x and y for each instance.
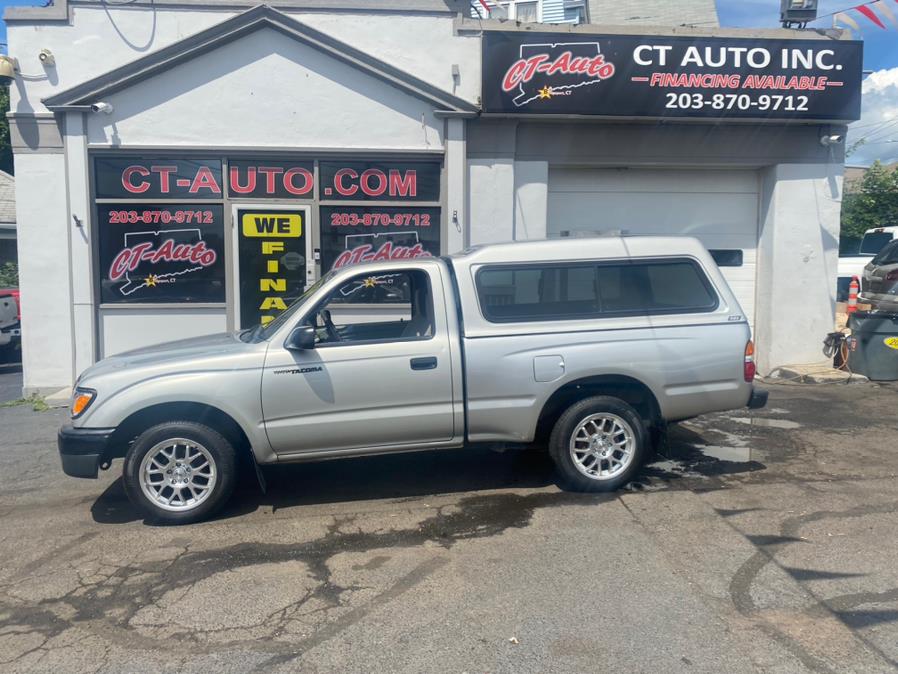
(161, 254)
(157, 178)
(161, 227)
(354, 230)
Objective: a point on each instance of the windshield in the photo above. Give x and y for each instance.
(261, 332)
(874, 242)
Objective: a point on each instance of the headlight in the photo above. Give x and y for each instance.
(81, 400)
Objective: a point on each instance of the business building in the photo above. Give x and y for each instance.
(186, 167)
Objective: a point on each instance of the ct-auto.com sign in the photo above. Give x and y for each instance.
(653, 76)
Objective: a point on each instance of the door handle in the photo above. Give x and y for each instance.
(428, 363)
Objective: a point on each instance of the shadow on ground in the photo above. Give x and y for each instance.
(420, 474)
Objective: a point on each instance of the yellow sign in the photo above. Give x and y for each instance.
(270, 225)
(891, 342)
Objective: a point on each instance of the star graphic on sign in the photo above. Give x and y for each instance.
(545, 92)
(150, 281)
(370, 282)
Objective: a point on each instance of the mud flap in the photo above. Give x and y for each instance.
(262, 484)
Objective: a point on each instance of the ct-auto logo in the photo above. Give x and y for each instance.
(180, 251)
(546, 70)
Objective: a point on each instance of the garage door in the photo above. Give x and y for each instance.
(720, 208)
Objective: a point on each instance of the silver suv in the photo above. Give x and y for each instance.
(588, 346)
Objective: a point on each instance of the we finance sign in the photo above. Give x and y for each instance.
(272, 269)
(643, 76)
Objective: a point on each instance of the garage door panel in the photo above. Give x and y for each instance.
(644, 214)
(720, 208)
(674, 181)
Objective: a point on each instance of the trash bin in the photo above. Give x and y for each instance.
(873, 345)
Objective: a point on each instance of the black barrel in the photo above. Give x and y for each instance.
(873, 345)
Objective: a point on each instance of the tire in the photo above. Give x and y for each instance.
(190, 465)
(604, 465)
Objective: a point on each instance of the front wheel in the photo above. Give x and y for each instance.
(179, 472)
(598, 444)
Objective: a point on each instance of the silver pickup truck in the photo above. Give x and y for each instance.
(587, 346)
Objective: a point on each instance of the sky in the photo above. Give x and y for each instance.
(878, 126)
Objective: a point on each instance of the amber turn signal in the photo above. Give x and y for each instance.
(81, 401)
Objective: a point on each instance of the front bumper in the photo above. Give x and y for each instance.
(11, 333)
(82, 449)
(757, 399)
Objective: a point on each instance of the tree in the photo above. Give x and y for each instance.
(5, 146)
(9, 275)
(873, 204)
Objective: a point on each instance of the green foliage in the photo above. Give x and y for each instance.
(37, 403)
(874, 204)
(5, 146)
(9, 275)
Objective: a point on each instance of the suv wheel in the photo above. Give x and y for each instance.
(179, 472)
(598, 444)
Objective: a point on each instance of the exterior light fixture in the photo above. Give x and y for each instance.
(797, 12)
(8, 69)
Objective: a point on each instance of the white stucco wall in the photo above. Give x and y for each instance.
(797, 261)
(122, 329)
(267, 90)
(44, 271)
(100, 39)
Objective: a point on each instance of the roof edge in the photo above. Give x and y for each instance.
(260, 16)
(468, 25)
(59, 9)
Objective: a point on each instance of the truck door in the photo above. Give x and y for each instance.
(380, 373)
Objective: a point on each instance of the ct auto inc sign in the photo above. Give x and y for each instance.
(671, 77)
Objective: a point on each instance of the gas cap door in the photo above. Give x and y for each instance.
(548, 368)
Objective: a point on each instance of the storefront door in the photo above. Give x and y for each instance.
(273, 261)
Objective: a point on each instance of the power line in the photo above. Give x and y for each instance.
(854, 127)
(875, 132)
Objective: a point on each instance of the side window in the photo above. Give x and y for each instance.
(559, 292)
(537, 293)
(386, 306)
(678, 286)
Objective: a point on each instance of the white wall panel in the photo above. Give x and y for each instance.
(267, 89)
(43, 226)
(126, 329)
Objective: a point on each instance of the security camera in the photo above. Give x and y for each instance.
(47, 58)
(835, 139)
(8, 69)
(102, 106)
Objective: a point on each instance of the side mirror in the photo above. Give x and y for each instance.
(301, 339)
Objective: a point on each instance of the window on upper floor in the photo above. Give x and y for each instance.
(526, 11)
(578, 11)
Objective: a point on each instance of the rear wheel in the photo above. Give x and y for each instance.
(179, 472)
(598, 444)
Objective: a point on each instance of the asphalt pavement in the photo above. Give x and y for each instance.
(757, 542)
(10, 382)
